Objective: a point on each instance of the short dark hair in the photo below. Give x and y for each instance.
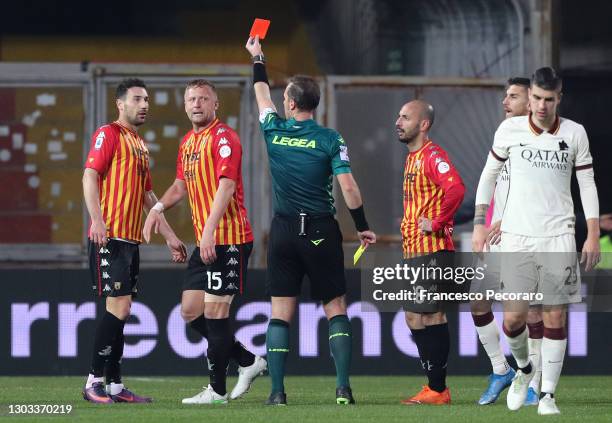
(126, 84)
(199, 83)
(547, 79)
(305, 91)
(519, 80)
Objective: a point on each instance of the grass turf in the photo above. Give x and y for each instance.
(311, 399)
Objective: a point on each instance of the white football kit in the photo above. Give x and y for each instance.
(538, 219)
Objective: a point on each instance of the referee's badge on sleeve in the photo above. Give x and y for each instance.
(344, 153)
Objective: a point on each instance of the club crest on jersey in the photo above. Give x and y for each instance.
(99, 140)
(117, 286)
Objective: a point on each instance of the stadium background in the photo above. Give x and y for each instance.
(57, 75)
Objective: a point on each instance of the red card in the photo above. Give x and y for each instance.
(260, 27)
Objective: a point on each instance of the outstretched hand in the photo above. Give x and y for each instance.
(253, 46)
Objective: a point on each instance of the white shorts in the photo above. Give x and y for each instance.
(491, 263)
(541, 265)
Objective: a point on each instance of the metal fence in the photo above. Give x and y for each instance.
(49, 111)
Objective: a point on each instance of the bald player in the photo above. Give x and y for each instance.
(433, 191)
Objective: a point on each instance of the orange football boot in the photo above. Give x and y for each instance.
(429, 396)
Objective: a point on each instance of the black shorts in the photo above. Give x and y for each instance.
(443, 259)
(114, 268)
(318, 254)
(226, 276)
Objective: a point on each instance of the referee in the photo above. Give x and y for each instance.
(304, 237)
(433, 191)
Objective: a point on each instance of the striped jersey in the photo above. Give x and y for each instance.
(428, 175)
(121, 158)
(203, 159)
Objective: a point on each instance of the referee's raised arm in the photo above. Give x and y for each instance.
(260, 77)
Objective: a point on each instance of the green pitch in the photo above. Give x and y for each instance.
(311, 399)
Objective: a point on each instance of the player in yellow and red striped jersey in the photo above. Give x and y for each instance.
(433, 191)
(208, 171)
(116, 187)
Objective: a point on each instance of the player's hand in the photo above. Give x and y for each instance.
(366, 238)
(494, 236)
(153, 221)
(479, 238)
(590, 253)
(253, 46)
(207, 247)
(425, 225)
(98, 233)
(177, 249)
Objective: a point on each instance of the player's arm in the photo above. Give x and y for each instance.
(171, 197)
(91, 192)
(444, 175)
(590, 202)
(223, 196)
(352, 198)
(176, 246)
(260, 77)
(484, 193)
(98, 161)
(486, 185)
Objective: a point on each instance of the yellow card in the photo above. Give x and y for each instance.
(359, 253)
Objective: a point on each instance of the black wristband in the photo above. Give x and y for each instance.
(359, 218)
(259, 73)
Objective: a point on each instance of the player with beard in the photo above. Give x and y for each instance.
(433, 191)
(116, 186)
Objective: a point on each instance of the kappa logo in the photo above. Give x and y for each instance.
(232, 262)
(231, 286)
(433, 262)
(220, 130)
(232, 249)
(104, 263)
(106, 351)
(223, 141)
(117, 286)
(107, 288)
(316, 242)
(104, 250)
(232, 274)
(105, 275)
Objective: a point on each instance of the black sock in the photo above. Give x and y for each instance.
(106, 332)
(437, 340)
(220, 341)
(113, 365)
(527, 369)
(241, 355)
(199, 325)
(418, 336)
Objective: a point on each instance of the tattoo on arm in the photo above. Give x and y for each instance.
(481, 214)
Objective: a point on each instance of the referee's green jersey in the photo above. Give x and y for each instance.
(303, 159)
